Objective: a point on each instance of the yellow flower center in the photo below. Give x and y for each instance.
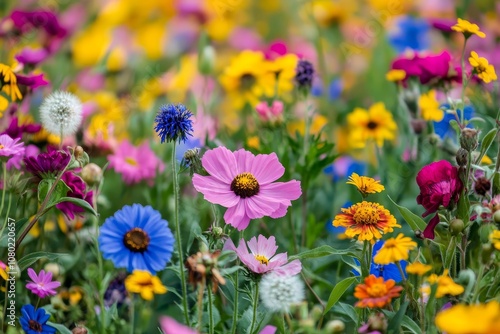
(366, 215)
(131, 161)
(1, 146)
(377, 290)
(137, 240)
(245, 185)
(390, 243)
(262, 259)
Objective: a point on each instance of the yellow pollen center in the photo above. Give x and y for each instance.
(137, 240)
(131, 161)
(377, 290)
(1, 146)
(262, 259)
(245, 185)
(366, 215)
(391, 243)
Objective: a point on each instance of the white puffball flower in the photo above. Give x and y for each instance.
(61, 113)
(278, 293)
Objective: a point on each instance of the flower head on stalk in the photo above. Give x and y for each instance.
(395, 250)
(145, 284)
(278, 293)
(375, 292)
(34, 321)
(47, 165)
(304, 74)
(61, 113)
(11, 147)
(173, 123)
(418, 268)
(468, 28)
(42, 284)
(366, 185)
(484, 70)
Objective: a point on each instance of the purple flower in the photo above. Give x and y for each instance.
(47, 164)
(263, 258)
(32, 81)
(10, 147)
(25, 21)
(42, 284)
(29, 56)
(16, 130)
(78, 190)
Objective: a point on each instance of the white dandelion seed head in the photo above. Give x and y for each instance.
(61, 113)
(278, 293)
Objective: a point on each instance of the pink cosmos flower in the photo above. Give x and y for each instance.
(439, 184)
(244, 183)
(135, 163)
(269, 113)
(10, 148)
(263, 258)
(42, 284)
(170, 326)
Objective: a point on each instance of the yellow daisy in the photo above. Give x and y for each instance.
(283, 69)
(484, 70)
(395, 249)
(395, 75)
(366, 185)
(445, 285)
(470, 319)
(418, 268)
(144, 283)
(468, 29)
(429, 107)
(374, 124)
(495, 239)
(366, 220)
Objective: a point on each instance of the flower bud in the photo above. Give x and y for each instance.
(468, 139)
(378, 322)
(335, 326)
(496, 217)
(418, 125)
(52, 268)
(307, 323)
(456, 226)
(487, 250)
(484, 232)
(79, 330)
(92, 174)
(482, 186)
(316, 312)
(206, 60)
(462, 157)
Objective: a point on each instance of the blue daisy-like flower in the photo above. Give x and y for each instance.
(137, 238)
(412, 33)
(34, 321)
(173, 123)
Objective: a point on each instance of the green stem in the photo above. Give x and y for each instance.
(178, 236)
(464, 83)
(4, 185)
(364, 265)
(478, 280)
(234, 325)
(210, 311)
(255, 302)
(398, 264)
(132, 315)
(201, 291)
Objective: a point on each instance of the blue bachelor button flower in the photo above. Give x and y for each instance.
(335, 89)
(412, 33)
(35, 321)
(389, 271)
(443, 128)
(343, 167)
(136, 237)
(173, 123)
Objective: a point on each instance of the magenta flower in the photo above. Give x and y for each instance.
(47, 165)
(30, 56)
(439, 184)
(24, 21)
(263, 258)
(10, 148)
(78, 189)
(269, 113)
(135, 163)
(42, 284)
(32, 80)
(244, 183)
(16, 129)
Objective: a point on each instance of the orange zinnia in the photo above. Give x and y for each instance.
(366, 220)
(376, 292)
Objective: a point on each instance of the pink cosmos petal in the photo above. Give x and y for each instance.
(229, 245)
(244, 161)
(279, 260)
(221, 164)
(267, 168)
(290, 269)
(214, 191)
(261, 205)
(281, 190)
(236, 216)
(281, 212)
(32, 275)
(253, 264)
(170, 326)
(268, 330)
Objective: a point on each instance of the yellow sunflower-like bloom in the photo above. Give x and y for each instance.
(395, 249)
(366, 220)
(374, 124)
(283, 69)
(445, 285)
(495, 239)
(470, 319)
(366, 185)
(485, 71)
(468, 29)
(144, 283)
(429, 107)
(247, 79)
(418, 268)
(8, 82)
(395, 75)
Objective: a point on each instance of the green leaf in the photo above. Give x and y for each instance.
(60, 328)
(61, 189)
(80, 202)
(486, 143)
(450, 252)
(463, 208)
(29, 259)
(416, 223)
(337, 292)
(408, 323)
(395, 322)
(347, 310)
(321, 251)
(4, 239)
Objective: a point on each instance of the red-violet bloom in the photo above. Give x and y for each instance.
(29, 56)
(32, 81)
(78, 189)
(135, 163)
(439, 184)
(16, 130)
(25, 21)
(263, 258)
(42, 284)
(11, 147)
(244, 183)
(48, 164)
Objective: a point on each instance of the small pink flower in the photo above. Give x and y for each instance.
(42, 285)
(270, 113)
(263, 258)
(11, 147)
(170, 326)
(244, 183)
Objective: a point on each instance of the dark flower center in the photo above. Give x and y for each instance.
(35, 325)
(247, 81)
(372, 125)
(137, 240)
(245, 185)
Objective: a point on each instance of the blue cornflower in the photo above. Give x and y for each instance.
(388, 271)
(136, 237)
(35, 321)
(343, 167)
(443, 128)
(304, 74)
(173, 123)
(412, 33)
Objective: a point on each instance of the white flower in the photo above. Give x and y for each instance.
(278, 293)
(61, 113)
